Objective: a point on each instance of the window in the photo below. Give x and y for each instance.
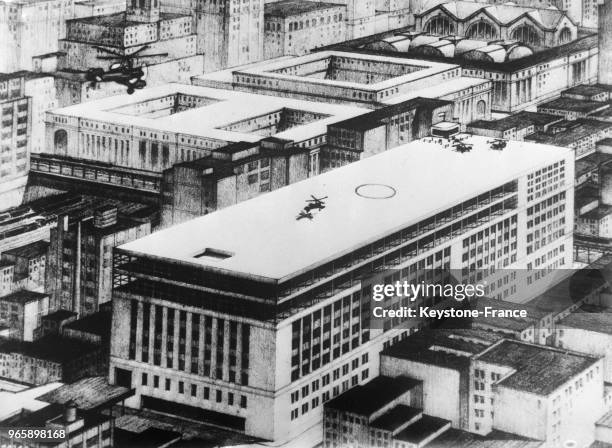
(243, 401)
(481, 30)
(219, 396)
(565, 36)
(144, 379)
(526, 34)
(440, 25)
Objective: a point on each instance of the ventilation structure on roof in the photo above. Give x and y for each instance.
(213, 254)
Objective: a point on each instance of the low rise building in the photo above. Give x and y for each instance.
(521, 77)
(21, 313)
(54, 322)
(364, 80)
(587, 330)
(515, 126)
(157, 128)
(571, 109)
(29, 265)
(52, 358)
(82, 428)
(479, 384)
(581, 135)
(563, 391)
(384, 412)
(588, 92)
(533, 26)
(536, 327)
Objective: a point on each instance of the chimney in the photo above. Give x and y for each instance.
(70, 412)
(105, 217)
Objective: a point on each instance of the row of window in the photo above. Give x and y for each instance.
(193, 390)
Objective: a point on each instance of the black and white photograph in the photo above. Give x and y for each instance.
(306, 224)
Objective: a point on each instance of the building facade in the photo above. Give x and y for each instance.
(295, 28)
(535, 27)
(29, 29)
(309, 317)
(79, 277)
(21, 313)
(15, 132)
(229, 33)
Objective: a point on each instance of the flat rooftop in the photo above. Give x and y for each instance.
(35, 249)
(23, 296)
(288, 8)
(588, 89)
(396, 417)
(51, 348)
(601, 211)
(422, 177)
(422, 429)
(372, 396)
(508, 323)
(118, 20)
(518, 120)
(495, 439)
(377, 117)
(330, 69)
(439, 90)
(89, 393)
(588, 318)
(575, 131)
(98, 323)
(584, 42)
(574, 105)
(573, 285)
(444, 348)
(59, 315)
(218, 114)
(538, 369)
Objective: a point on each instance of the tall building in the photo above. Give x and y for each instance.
(604, 33)
(295, 27)
(29, 29)
(254, 318)
(168, 37)
(80, 256)
(15, 130)
(229, 32)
